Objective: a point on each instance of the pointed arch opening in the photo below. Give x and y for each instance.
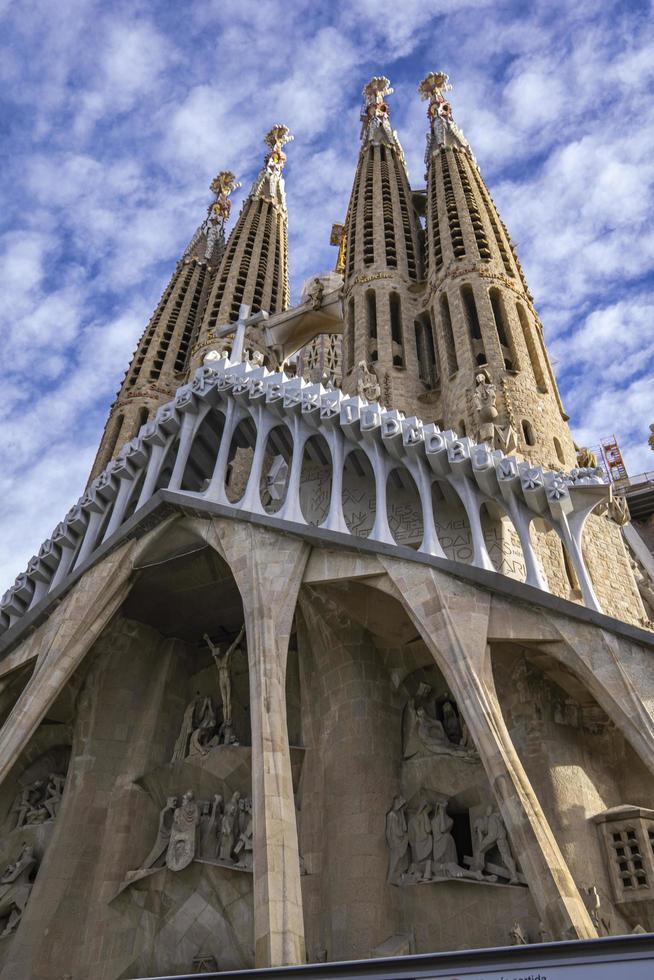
(316, 480)
(358, 494)
(397, 337)
(403, 508)
(451, 365)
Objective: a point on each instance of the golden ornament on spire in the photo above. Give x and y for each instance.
(222, 186)
(432, 88)
(277, 137)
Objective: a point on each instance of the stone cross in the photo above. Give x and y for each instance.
(239, 328)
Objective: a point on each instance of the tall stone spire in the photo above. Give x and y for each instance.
(161, 360)
(486, 329)
(382, 259)
(254, 267)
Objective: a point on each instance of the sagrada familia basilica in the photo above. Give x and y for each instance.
(342, 653)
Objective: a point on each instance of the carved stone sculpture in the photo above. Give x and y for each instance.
(229, 828)
(243, 846)
(157, 856)
(316, 292)
(367, 383)
(212, 813)
(598, 916)
(420, 841)
(422, 732)
(53, 794)
(15, 888)
(397, 839)
(199, 721)
(445, 860)
(184, 832)
(518, 936)
(222, 660)
(37, 803)
(484, 397)
(585, 457)
(490, 832)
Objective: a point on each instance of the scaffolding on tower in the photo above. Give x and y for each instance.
(611, 461)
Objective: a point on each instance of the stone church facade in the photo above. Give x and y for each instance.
(340, 654)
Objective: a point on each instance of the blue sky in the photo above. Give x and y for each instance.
(115, 116)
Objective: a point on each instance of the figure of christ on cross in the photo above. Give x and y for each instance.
(222, 659)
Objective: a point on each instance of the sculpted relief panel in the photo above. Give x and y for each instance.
(405, 518)
(422, 847)
(215, 831)
(27, 831)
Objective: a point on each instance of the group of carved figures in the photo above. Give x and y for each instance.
(15, 887)
(433, 725)
(200, 729)
(37, 802)
(422, 847)
(208, 830)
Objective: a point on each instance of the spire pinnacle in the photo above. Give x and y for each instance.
(443, 130)
(375, 115)
(270, 182)
(213, 226)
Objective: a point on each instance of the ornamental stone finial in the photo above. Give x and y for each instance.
(276, 138)
(443, 130)
(212, 228)
(375, 115)
(432, 89)
(270, 182)
(223, 184)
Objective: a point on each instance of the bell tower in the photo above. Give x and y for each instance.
(486, 329)
(382, 260)
(254, 266)
(160, 362)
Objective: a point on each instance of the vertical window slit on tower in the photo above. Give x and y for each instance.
(503, 329)
(262, 264)
(473, 211)
(352, 224)
(472, 321)
(456, 235)
(350, 335)
(397, 340)
(494, 220)
(191, 325)
(406, 218)
(368, 211)
(117, 426)
(226, 266)
(171, 323)
(274, 292)
(532, 350)
(387, 212)
(371, 316)
(244, 267)
(286, 294)
(528, 433)
(452, 364)
(425, 350)
(434, 226)
(558, 449)
(146, 339)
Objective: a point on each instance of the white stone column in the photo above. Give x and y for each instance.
(268, 567)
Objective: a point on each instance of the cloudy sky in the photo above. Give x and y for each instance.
(115, 116)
